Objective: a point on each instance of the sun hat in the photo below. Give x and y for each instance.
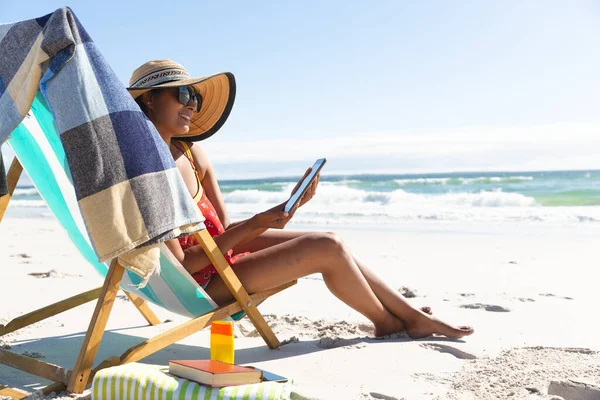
(217, 91)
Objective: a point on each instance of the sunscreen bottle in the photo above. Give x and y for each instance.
(221, 341)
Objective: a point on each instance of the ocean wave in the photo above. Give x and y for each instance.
(25, 192)
(253, 196)
(464, 181)
(27, 203)
(495, 198)
(384, 201)
(340, 205)
(343, 205)
(330, 195)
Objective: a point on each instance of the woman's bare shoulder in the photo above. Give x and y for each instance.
(200, 157)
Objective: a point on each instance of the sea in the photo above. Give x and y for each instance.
(563, 197)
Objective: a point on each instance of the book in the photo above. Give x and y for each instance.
(214, 373)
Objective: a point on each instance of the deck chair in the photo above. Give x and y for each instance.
(39, 152)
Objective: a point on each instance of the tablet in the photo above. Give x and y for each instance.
(268, 376)
(271, 377)
(316, 168)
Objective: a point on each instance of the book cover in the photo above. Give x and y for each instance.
(214, 373)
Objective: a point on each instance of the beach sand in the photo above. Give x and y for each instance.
(527, 289)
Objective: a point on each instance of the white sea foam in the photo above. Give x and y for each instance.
(464, 181)
(27, 203)
(336, 203)
(349, 202)
(253, 196)
(24, 192)
(334, 196)
(424, 181)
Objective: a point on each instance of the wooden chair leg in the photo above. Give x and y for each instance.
(143, 308)
(173, 335)
(11, 179)
(83, 366)
(235, 287)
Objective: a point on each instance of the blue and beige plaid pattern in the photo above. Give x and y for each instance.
(127, 186)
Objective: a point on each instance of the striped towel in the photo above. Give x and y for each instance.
(128, 189)
(145, 382)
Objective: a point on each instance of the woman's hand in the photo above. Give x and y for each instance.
(312, 189)
(271, 219)
(274, 218)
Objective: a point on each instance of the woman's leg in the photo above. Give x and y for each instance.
(388, 296)
(302, 256)
(288, 258)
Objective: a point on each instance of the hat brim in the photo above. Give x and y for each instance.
(218, 95)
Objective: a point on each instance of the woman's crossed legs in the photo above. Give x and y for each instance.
(279, 257)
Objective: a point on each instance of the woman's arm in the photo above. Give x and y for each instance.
(194, 258)
(305, 198)
(209, 183)
(234, 224)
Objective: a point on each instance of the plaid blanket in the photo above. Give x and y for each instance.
(129, 191)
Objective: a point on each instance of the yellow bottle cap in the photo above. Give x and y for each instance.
(221, 328)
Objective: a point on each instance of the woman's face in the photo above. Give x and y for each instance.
(167, 113)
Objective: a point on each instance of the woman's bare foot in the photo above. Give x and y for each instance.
(428, 325)
(393, 325)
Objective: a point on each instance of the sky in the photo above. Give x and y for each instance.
(382, 86)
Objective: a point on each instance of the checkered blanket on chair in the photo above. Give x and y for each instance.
(129, 191)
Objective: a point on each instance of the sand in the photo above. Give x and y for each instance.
(528, 289)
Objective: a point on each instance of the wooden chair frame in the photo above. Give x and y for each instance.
(81, 375)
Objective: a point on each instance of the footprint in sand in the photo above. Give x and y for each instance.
(444, 348)
(486, 307)
(381, 396)
(52, 274)
(34, 354)
(333, 343)
(407, 292)
(558, 297)
(21, 255)
(293, 339)
(526, 299)
(392, 336)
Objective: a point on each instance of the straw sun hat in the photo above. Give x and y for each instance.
(217, 91)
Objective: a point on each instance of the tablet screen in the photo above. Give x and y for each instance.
(304, 185)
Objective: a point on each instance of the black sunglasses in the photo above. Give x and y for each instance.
(186, 94)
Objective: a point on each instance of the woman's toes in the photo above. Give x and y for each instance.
(429, 326)
(427, 310)
(463, 331)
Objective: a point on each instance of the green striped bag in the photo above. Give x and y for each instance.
(135, 381)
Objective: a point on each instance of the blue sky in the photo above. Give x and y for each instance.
(386, 86)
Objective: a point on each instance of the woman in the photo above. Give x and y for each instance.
(261, 254)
